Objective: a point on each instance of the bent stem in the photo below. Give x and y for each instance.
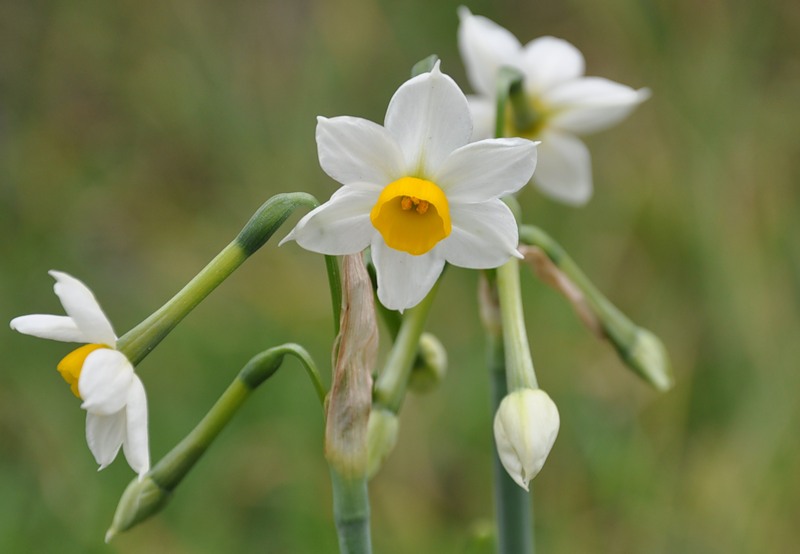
(145, 497)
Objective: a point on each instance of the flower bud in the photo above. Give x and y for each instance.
(525, 428)
(143, 498)
(431, 364)
(382, 432)
(648, 357)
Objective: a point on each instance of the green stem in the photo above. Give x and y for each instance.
(335, 286)
(615, 323)
(513, 505)
(140, 341)
(640, 349)
(390, 387)
(145, 497)
(519, 364)
(351, 513)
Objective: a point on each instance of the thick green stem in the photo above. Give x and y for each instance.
(351, 513)
(390, 388)
(513, 505)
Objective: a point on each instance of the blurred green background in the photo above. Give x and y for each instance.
(136, 139)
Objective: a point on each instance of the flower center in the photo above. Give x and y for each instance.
(412, 215)
(526, 119)
(72, 364)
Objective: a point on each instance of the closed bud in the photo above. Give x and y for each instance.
(143, 498)
(382, 431)
(648, 357)
(431, 364)
(525, 428)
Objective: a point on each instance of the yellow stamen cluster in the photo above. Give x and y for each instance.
(420, 206)
(70, 367)
(412, 215)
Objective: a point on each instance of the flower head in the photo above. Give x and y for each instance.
(565, 102)
(113, 395)
(416, 190)
(525, 428)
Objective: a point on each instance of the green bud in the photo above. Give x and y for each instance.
(382, 430)
(647, 356)
(430, 367)
(141, 499)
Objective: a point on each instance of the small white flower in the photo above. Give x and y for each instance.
(566, 102)
(113, 395)
(417, 191)
(525, 428)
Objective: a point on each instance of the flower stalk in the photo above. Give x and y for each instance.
(640, 349)
(140, 341)
(147, 496)
(513, 505)
(348, 407)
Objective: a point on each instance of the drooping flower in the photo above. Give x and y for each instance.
(564, 102)
(416, 190)
(113, 395)
(525, 428)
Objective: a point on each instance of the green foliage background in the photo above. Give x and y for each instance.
(136, 139)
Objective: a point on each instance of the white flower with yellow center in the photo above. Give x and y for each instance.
(564, 102)
(113, 395)
(417, 191)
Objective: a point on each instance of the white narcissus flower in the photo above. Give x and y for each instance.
(565, 102)
(525, 428)
(113, 395)
(417, 191)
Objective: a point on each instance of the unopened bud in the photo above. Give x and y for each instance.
(648, 357)
(382, 431)
(525, 428)
(431, 364)
(140, 500)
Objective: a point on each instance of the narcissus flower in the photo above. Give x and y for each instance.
(562, 101)
(417, 191)
(525, 428)
(113, 395)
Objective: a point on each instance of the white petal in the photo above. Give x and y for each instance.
(429, 117)
(104, 382)
(340, 226)
(53, 327)
(549, 61)
(81, 305)
(104, 435)
(592, 104)
(483, 112)
(354, 150)
(525, 428)
(136, 446)
(485, 47)
(404, 280)
(487, 169)
(564, 170)
(484, 235)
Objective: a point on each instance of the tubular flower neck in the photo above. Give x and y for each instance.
(412, 215)
(71, 365)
